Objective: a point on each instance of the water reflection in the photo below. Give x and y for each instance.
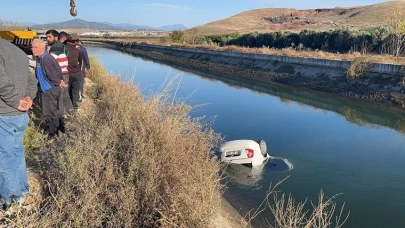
(355, 111)
(246, 176)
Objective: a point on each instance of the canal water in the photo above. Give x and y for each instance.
(340, 145)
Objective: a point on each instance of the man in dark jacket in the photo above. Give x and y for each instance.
(50, 80)
(74, 68)
(85, 66)
(17, 89)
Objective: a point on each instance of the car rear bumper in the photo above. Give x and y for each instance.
(242, 161)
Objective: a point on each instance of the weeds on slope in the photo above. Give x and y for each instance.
(128, 161)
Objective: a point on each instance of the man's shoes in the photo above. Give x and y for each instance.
(77, 110)
(27, 202)
(51, 137)
(62, 129)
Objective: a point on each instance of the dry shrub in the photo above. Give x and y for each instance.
(287, 52)
(357, 67)
(129, 161)
(289, 214)
(285, 212)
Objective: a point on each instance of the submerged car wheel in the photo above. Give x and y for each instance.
(263, 147)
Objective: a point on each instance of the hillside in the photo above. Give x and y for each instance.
(172, 27)
(275, 19)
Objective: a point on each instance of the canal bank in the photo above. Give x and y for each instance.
(381, 83)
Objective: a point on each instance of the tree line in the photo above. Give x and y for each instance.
(339, 40)
(389, 39)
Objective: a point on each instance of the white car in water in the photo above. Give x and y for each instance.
(244, 152)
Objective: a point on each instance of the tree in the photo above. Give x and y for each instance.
(178, 36)
(192, 35)
(395, 42)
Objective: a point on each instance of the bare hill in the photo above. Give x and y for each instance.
(276, 19)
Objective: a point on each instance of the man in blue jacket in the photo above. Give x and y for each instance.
(18, 87)
(49, 75)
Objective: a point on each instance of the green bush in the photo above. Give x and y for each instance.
(178, 36)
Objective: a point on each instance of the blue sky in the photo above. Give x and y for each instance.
(152, 12)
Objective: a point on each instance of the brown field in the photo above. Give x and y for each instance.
(276, 19)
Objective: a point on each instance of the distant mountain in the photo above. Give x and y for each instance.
(172, 27)
(82, 24)
(128, 26)
(78, 24)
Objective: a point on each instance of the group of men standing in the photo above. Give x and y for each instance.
(65, 72)
(62, 63)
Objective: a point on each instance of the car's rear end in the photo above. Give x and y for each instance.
(245, 152)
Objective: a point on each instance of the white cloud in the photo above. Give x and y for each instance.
(163, 5)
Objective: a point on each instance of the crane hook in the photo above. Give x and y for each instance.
(73, 11)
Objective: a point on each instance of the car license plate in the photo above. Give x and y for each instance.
(232, 153)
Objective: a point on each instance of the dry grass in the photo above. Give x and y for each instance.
(285, 212)
(309, 54)
(128, 161)
(288, 213)
(371, 58)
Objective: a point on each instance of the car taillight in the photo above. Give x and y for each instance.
(250, 153)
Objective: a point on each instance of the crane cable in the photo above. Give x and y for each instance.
(73, 11)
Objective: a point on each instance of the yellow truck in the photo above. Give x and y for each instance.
(23, 39)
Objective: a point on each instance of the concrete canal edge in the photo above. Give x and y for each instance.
(229, 217)
(380, 83)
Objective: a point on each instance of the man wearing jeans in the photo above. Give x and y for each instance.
(17, 89)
